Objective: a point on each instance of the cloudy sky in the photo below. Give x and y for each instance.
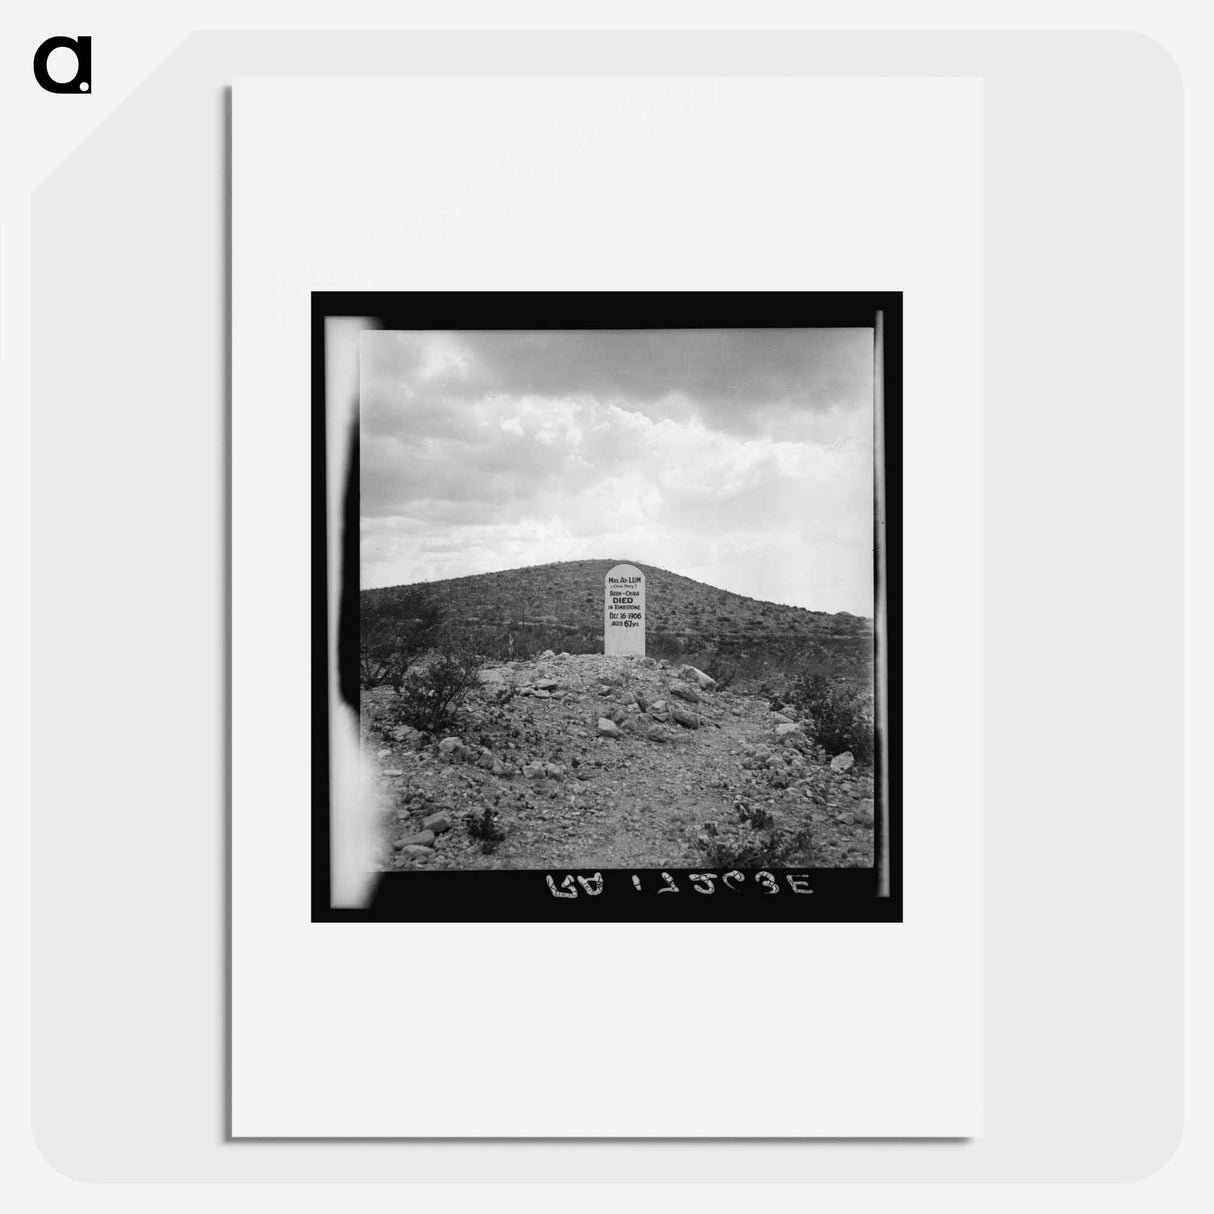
(738, 457)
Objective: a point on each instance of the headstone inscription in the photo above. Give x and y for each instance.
(624, 612)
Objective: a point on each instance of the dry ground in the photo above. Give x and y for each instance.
(658, 795)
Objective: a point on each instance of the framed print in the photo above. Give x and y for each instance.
(608, 611)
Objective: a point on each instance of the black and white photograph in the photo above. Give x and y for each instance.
(620, 621)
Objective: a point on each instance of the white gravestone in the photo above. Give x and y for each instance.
(624, 612)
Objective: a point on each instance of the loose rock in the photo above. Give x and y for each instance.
(683, 692)
(423, 839)
(701, 680)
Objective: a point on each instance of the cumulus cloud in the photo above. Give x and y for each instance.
(742, 458)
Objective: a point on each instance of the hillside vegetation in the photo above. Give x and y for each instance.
(518, 613)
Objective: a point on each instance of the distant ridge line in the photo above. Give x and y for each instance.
(669, 593)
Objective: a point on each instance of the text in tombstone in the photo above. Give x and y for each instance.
(624, 612)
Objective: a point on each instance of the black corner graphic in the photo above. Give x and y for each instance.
(82, 48)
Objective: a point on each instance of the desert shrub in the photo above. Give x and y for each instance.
(392, 635)
(432, 692)
(664, 645)
(842, 715)
(725, 669)
(755, 849)
(486, 830)
(758, 816)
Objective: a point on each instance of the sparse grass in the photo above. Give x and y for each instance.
(486, 830)
(758, 849)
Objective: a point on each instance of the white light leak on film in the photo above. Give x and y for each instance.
(624, 612)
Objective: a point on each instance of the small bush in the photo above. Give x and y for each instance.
(485, 829)
(392, 635)
(842, 716)
(757, 849)
(758, 817)
(726, 671)
(431, 694)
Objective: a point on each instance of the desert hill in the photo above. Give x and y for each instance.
(519, 612)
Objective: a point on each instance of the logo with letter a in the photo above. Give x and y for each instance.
(82, 81)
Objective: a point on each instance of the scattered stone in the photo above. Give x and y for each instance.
(533, 771)
(554, 770)
(781, 718)
(783, 730)
(494, 674)
(843, 762)
(688, 720)
(698, 677)
(449, 745)
(609, 729)
(655, 733)
(548, 653)
(438, 822)
(540, 694)
(383, 754)
(424, 839)
(546, 685)
(683, 692)
(414, 852)
(391, 771)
